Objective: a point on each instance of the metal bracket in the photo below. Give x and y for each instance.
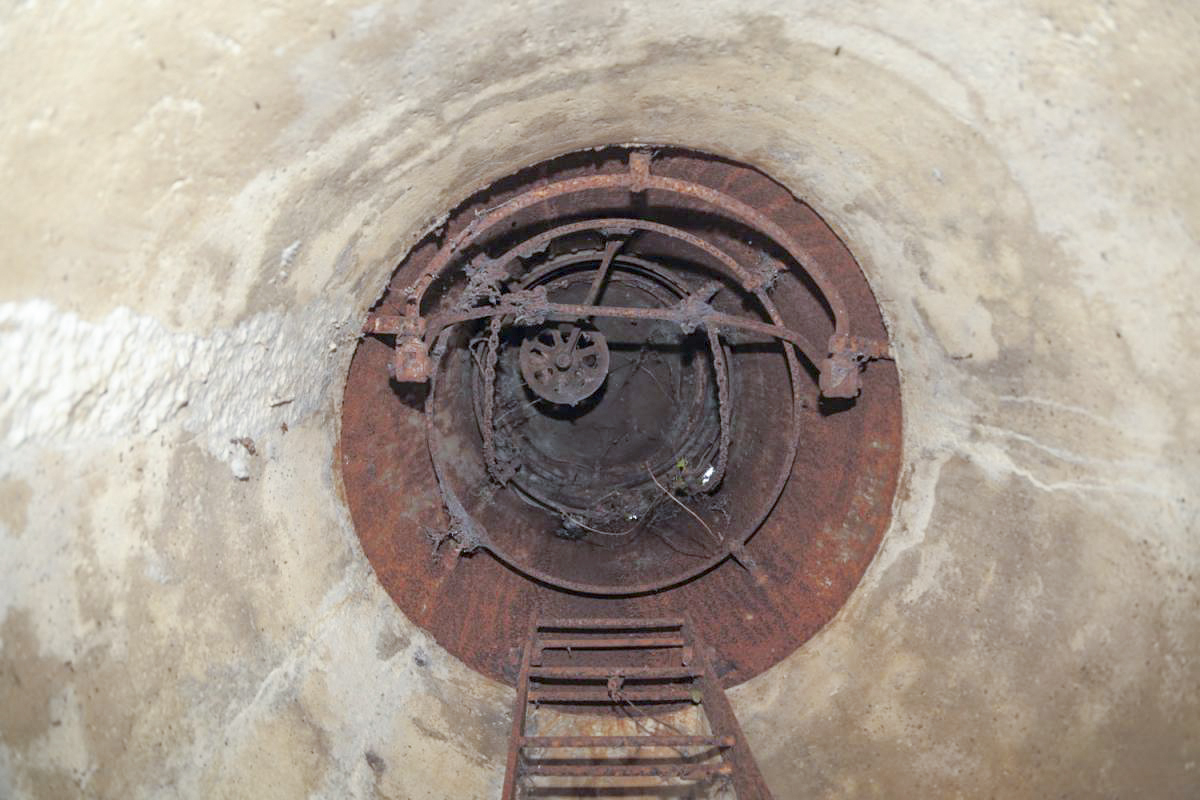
(410, 360)
(848, 355)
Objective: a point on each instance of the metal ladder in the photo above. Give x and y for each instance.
(619, 664)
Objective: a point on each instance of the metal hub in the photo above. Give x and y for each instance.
(594, 463)
(565, 364)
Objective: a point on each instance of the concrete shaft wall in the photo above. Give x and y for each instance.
(201, 199)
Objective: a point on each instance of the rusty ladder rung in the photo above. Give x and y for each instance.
(597, 643)
(609, 642)
(630, 770)
(599, 694)
(626, 741)
(617, 623)
(583, 673)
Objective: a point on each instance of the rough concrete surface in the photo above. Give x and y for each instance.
(201, 199)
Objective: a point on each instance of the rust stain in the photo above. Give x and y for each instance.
(787, 577)
(604, 664)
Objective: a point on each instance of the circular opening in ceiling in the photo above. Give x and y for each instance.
(622, 383)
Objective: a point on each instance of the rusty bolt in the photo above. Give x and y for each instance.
(847, 356)
(839, 377)
(639, 168)
(410, 361)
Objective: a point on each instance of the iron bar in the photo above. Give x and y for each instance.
(653, 740)
(748, 781)
(611, 643)
(599, 695)
(628, 673)
(578, 624)
(520, 708)
(685, 771)
(678, 314)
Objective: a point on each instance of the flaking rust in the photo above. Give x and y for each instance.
(746, 528)
(839, 371)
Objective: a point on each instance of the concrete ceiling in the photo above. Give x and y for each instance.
(200, 200)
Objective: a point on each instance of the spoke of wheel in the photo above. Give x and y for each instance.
(610, 252)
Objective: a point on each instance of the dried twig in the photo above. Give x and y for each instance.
(585, 526)
(679, 502)
(677, 548)
(515, 409)
(619, 696)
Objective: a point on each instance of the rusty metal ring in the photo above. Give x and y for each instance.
(652, 274)
(731, 544)
(799, 566)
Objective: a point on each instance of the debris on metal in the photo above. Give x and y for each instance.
(634, 381)
(642, 667)
(836, 374)
(564, 365)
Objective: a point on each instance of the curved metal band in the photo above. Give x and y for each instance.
(637, 179)
(534, 245)
(810, 351)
